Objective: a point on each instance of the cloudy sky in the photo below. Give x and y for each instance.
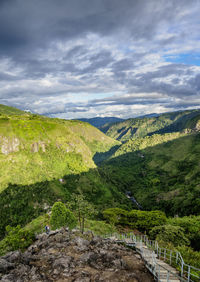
(86, 58)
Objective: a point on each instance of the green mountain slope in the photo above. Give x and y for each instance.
(164, 176)
(34, 148)
(137, 144)
(141, 127)
(6, 110)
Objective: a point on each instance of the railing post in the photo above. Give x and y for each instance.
(170, 258)
(182, 265)
(164, 254)
(157, 248)
(189, 273)
(176, 257)
(168, 275)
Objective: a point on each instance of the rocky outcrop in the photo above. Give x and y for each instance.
(9, 145)
(61, 256)
(37, 145)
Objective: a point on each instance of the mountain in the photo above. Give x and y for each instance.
(6, 110)
(36, 148)
(164, 123)
(101, 121)
(43, 160)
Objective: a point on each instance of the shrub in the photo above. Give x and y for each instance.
(191, 226)
(169, 234)
(116, 216)
(61, 216)
(146, 220)
(18, 238)
(190, 256)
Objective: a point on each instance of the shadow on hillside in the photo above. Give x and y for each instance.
(180, 124)
(100, 157)
(19, 204)
(105, 187)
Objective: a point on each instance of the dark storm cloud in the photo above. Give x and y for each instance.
(25, 23)
(51, 49)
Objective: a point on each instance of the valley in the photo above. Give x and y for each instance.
(45, 160)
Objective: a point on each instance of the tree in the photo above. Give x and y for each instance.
(82, 208)
(61, 216)
(170, 234)
(116, 216)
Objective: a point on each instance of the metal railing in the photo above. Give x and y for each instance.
(186, 272)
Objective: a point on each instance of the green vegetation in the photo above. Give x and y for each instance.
(20, 204)
(141, 220)
(164, 177)
(16, 238)
(141, 127)
(190, 256)
(99, 227)
(191, 227)
(45, 160)
(38, 224)
(169, 234)
(83, 209)
(138, 144)
(34, 148)
(6, 110)
(62, 217)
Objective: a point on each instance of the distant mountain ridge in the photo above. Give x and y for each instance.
(164, 123)
(101, 121)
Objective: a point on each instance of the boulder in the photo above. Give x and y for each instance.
(5, 265)
(13, 256)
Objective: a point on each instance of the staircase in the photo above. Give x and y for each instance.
(161, 262)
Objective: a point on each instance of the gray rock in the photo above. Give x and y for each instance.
(13, 256)
(63, 263)
(34, 275)
(82, 244)
(119, 264)
(88, 257)
(5, 265)
(8, 278)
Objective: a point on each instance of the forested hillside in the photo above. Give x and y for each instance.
(164, 176)
(35, 148)
(44, 160)
(165, 123)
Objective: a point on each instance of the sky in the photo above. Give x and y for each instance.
(86, 58)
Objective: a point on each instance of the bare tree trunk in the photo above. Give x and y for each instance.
(83, 221)
(79, 217)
